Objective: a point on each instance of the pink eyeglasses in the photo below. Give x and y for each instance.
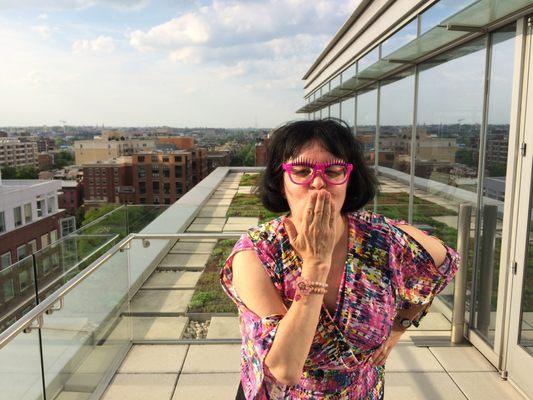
(303, 173)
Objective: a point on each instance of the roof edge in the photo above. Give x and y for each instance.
(355, 15)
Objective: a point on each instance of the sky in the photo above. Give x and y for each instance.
(218, 63)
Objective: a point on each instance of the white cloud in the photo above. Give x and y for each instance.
(42, 16)
(44, 30)
(102, 44)
(124, 5)
(189, 29)
(187, 55)
(232, 71)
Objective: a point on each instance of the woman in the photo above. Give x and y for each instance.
(325, 292)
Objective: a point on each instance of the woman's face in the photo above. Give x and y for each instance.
(297, 195)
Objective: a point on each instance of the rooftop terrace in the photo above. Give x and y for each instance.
(148, 319)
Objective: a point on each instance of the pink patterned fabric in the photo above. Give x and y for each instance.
(386, 269)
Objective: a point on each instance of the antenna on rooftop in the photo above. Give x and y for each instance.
(64, 127)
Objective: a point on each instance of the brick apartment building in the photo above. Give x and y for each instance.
(217, 159)
(71, 197)
(108, 182)
(261, 147)
(161, 177)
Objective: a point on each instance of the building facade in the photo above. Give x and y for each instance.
(161, 177)
(16, 153)
(108, 182)
(71, 197)
(111, 144)
(437, 93)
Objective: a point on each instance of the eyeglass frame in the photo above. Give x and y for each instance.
(287, 167)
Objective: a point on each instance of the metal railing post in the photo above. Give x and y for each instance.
(459, 298)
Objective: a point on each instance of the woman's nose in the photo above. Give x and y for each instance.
(318, 181)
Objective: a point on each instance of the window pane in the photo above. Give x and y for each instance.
(17, 212)
(5, 260)
(348, 111)
(494, 185)
(366, 123)
(440, 11)
(398, 39)
(27, 213)
(394, 151)
(2, 222)
(334, 110)
(447, 142)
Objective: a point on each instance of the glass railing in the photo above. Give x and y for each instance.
(52, 266)
(145, 289)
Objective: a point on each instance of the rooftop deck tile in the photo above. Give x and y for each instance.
(172, 280)
(161, 301)
(462, 359)
(207, 386)
(141, 387)
(212, 359)
(485, 386)
(154, 358)
(224, 328)
(421, 386)
(406, 357)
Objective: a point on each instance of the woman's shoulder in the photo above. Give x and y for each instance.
(266, 232)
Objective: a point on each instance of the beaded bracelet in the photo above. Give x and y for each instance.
(306, 287)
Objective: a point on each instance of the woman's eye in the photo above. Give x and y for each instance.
(301, 171)
(335, 171)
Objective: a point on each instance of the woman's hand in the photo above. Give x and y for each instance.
(379, 357)
(315, 238)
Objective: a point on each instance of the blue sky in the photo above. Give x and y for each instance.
(145, 62)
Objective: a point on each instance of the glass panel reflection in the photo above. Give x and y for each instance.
(394, 148)
(20, 368)
(366, 123)
(17, 288)
(335, 110)
(348, 112)
(526, 321)
(440, 11)
(398, 39)
(499, 112)
(449, 116)
(84, 340)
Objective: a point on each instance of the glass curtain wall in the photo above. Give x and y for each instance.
(494, 172)
(335, 110)
(449, 119)
(394, 145)
(366, 117)
(348, 112)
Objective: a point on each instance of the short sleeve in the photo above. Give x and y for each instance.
(257, 333)
(415, 276)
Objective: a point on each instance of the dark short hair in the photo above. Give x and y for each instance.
(336, 137)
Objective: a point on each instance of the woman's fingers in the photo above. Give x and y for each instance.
(327, 211)
(319, 208)
(310, 210)
(290, 229)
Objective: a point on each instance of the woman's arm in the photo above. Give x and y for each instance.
(296, 329)
(438, 252)
(432, 245)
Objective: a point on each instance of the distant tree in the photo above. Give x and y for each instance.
(80, 216)
(245, 156)
(27, 172)
(95, 213)
(62, 159)
(8, 172)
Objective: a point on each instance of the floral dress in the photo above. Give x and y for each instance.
(386, 269)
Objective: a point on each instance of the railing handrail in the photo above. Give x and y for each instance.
(37, 312)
